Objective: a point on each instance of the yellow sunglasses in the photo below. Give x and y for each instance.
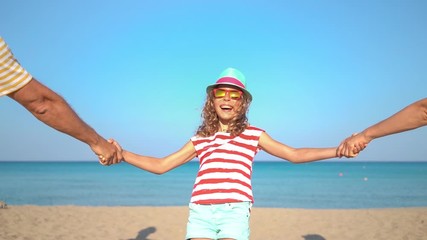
(233, 94)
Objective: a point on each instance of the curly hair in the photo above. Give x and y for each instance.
(210, 124)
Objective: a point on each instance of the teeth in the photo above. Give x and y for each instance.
(226, 107)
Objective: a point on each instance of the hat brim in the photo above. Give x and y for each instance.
(248, 94)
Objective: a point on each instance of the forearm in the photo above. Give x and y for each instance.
(303, 155)
(59, 115)
(411, 117)
(54, 111)
(150, 164)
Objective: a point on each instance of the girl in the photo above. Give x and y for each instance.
(225, 144)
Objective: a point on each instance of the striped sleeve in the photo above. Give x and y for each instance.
(12, 75)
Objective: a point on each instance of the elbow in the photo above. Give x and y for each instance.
(154, 171)
(160, 170)
(38, 107)
(157, 172)
(295, 157)
(295, 161)
(43, 106)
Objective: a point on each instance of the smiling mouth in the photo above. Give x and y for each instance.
(226, 108)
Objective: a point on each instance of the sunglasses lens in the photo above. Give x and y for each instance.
(219, 93)
(235, 94)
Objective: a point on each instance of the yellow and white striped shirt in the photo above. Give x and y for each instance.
(12, 75)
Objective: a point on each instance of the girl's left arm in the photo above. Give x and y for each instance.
(295, 155)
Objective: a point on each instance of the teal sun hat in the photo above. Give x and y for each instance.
(233, 77)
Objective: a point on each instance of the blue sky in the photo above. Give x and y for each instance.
(137, 70)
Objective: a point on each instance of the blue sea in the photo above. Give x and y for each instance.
(320, 185)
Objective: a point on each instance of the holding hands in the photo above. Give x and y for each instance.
(107, 159)
(352, 145)
(118, 148)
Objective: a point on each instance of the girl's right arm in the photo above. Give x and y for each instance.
(159, 165)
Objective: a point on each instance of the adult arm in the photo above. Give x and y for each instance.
(53, 110)
(411, 117)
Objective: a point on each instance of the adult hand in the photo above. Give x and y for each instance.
(352, 145)
(106, 152)
(118, 148)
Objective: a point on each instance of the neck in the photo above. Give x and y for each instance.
(223, 127)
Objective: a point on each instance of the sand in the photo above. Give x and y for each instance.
(164, 223)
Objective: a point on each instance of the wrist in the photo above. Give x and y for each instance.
(367, 136)
(93, 140)
(124, 154)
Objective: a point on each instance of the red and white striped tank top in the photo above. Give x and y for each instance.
(225, 170)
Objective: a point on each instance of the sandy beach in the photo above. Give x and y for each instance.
(161, 223)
